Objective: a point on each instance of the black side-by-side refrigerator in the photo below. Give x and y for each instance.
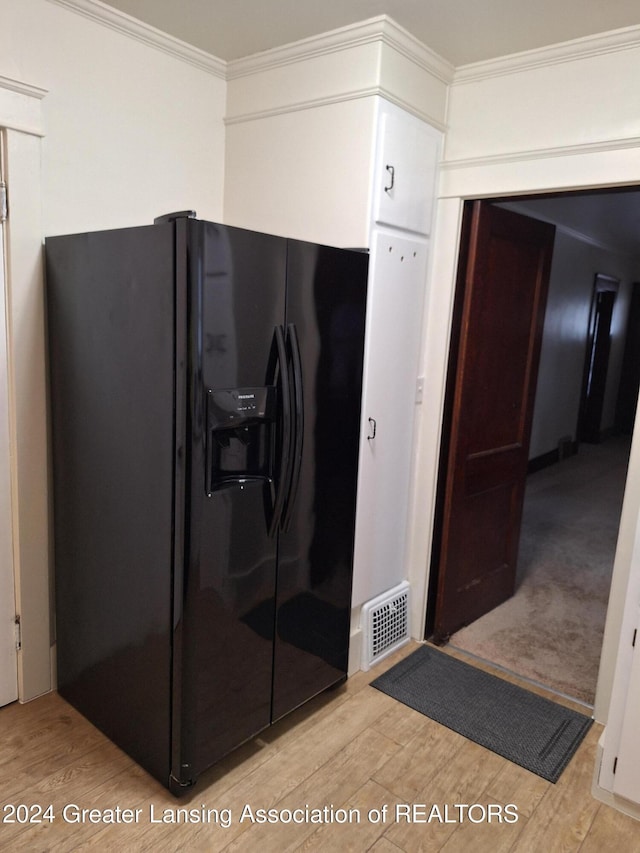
(205, 405)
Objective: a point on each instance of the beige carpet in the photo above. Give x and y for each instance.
(551, 630)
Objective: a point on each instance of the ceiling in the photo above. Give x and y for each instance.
(611, 219)
(461, 31)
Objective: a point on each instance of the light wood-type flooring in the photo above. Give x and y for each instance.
(353, 749)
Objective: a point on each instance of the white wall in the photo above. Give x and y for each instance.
(574, 266)
(576, 94)
(129, 130)
(304, 174)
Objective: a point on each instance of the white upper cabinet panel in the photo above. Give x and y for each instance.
(406, 162)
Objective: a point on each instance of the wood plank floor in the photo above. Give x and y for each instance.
(355, 750)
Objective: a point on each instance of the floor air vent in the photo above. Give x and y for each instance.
(385, 624)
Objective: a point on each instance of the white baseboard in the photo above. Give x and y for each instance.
(355, 651)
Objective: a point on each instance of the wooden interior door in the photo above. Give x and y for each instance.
(505, 277)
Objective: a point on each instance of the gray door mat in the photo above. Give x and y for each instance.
(527, 729)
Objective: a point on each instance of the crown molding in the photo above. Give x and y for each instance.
(408, 107)
(20, 106)
(351, 95)
(21, 88)
(126, 24)
(569, 51)
(610, 145)
(311, 103)
(379, 29)
(404, 42)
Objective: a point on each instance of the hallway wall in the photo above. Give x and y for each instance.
(575, 264)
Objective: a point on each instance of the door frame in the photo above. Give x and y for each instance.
(491, 180)
(8, 653)
(21, 117)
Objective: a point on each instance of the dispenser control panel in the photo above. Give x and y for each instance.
(230, 407)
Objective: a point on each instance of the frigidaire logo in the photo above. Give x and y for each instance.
(246, 396)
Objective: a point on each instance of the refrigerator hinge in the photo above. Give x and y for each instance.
(179, 788)
(4, 202)
(176, 214)
(18, 633)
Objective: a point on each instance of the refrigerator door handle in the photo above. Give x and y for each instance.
(298, 417)
(282, 474)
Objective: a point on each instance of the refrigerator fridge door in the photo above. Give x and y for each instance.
(326, 294)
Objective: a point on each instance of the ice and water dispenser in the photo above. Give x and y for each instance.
(241, 425)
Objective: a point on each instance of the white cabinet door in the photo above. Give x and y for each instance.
(394, 320)
(406, 164)
(8, 662)
(626, 780)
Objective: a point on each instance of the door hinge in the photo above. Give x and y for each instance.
(18, 633)
(615, 763)
(4, 203)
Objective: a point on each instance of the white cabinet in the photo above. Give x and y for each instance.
(619, 764)
(394, 319)
(400, 222)
(406, 163)
(626, 779)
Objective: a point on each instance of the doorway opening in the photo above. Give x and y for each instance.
(593, 237)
